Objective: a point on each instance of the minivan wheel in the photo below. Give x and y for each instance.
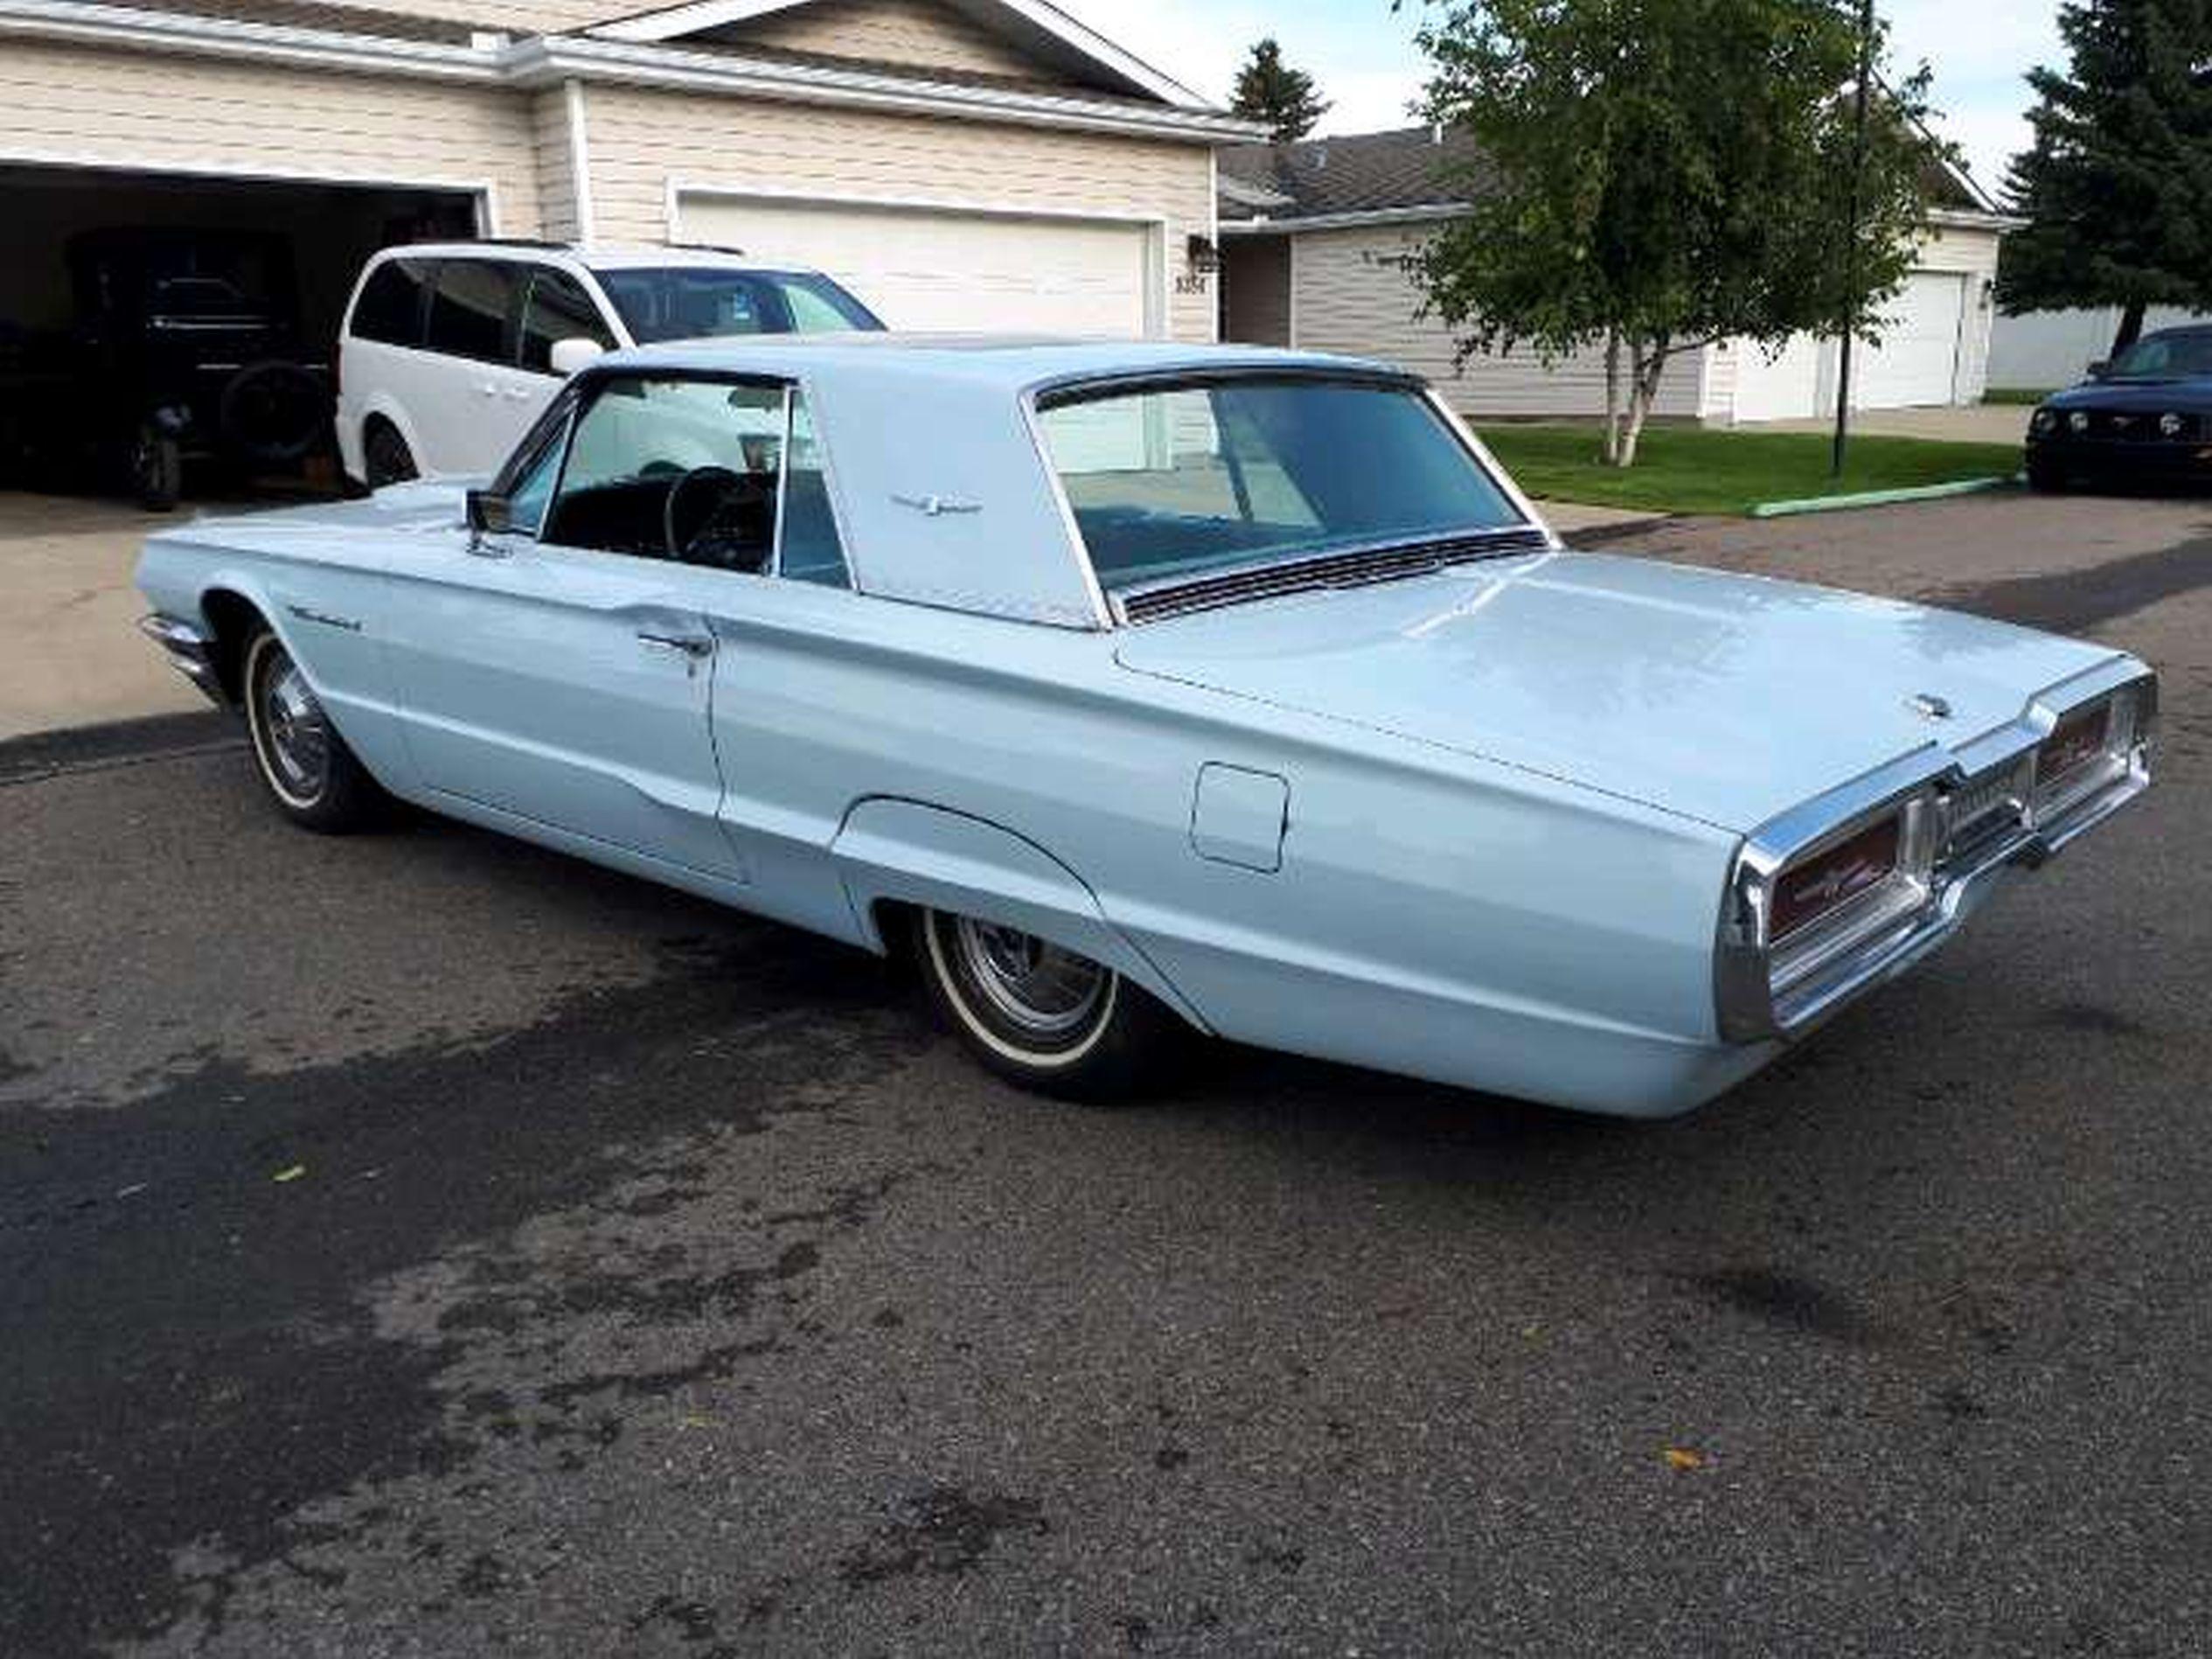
(308, 771)
(1039, 1015)
(385, 455)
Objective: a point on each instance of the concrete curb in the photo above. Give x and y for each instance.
(1881, 498)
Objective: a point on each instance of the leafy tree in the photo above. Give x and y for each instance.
(1269, 90)
(2118, 188)
(1660, 174)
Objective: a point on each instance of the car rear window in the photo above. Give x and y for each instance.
(390, 308)
(1174, 480)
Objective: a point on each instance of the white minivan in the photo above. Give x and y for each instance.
(449, 350)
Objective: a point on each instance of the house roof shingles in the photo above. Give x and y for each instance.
(370, 22)
(1410, 167)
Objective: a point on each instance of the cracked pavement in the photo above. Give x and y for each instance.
(424, 1245)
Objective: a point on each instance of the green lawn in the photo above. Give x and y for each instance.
(1686, 469)
(2024, 396)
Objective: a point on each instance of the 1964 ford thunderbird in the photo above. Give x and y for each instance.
(1139, 688)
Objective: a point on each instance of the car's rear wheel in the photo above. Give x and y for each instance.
(385, 455)
(308, 771)
(1039, 1015)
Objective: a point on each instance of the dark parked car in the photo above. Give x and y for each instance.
(2147, 414)
(188, 345)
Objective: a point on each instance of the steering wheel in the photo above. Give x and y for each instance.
(715, 515)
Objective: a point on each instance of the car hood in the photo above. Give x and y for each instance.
(1724, 698)
(2190, 394)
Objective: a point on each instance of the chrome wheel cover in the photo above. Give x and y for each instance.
(295, 733)
(1039, 989)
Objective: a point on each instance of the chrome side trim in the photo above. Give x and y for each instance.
(1971, 816)
(190, 653)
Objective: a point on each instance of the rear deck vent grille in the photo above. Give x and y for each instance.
(1333, 570)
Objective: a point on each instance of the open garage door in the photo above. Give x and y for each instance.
(130, 294)
(945, 268)
(1917, 361)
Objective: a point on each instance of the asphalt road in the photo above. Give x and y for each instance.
(422, 1245)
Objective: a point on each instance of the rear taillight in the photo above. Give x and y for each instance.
(1825, 883)
(2077, 741)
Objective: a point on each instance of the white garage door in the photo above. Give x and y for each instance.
(1783, 386)
(938, 269)
(1917, 361)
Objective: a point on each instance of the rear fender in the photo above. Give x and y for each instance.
(912, 854)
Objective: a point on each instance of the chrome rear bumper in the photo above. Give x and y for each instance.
(190, 653)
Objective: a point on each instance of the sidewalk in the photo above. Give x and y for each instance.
(1975, 423)
(1572, 518)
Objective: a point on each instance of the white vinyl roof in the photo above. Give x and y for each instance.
(909, 420)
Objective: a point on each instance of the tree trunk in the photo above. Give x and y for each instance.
(1612, 397)
(2131, 327)
(1647, 361)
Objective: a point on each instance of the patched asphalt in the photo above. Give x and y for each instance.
(424, 1245)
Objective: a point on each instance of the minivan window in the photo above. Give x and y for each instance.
(558, 309)
(690, 303)
(390, 308)
(468, 308)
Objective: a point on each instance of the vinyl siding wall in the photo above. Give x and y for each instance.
(516, 17)
(147, 110)
(1350, 292)
(557, 214)
(923, 33)
(643, 141)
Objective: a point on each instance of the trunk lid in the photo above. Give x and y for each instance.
(1724, 698)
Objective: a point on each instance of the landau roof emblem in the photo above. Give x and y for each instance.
(1928, 706)
(936, 506)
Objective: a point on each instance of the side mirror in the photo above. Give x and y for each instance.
(568, 356)
(490, 513)
(2098, 370)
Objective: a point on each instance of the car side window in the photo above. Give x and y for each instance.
(390, 308)
(693, 471)
(531, 493)
(469, 307)
(558, 309)
(810, 550)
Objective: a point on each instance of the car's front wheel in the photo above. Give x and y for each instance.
(1039, 1015)
(310, 774)
(2045, 476)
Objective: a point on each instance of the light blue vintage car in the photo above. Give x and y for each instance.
(1145, 689)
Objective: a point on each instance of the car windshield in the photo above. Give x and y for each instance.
(692, 302)
(2158, 356)
(1175, 481)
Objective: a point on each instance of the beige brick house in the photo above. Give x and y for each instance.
(956, 162)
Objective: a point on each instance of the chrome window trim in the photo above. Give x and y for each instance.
(1762, 992)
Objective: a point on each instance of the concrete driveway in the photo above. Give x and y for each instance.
(421, 1245)
(1977, 423)
(70, 651)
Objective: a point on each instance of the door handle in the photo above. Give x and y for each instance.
(692, 645)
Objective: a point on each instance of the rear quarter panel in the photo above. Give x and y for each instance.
(1433, 914)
